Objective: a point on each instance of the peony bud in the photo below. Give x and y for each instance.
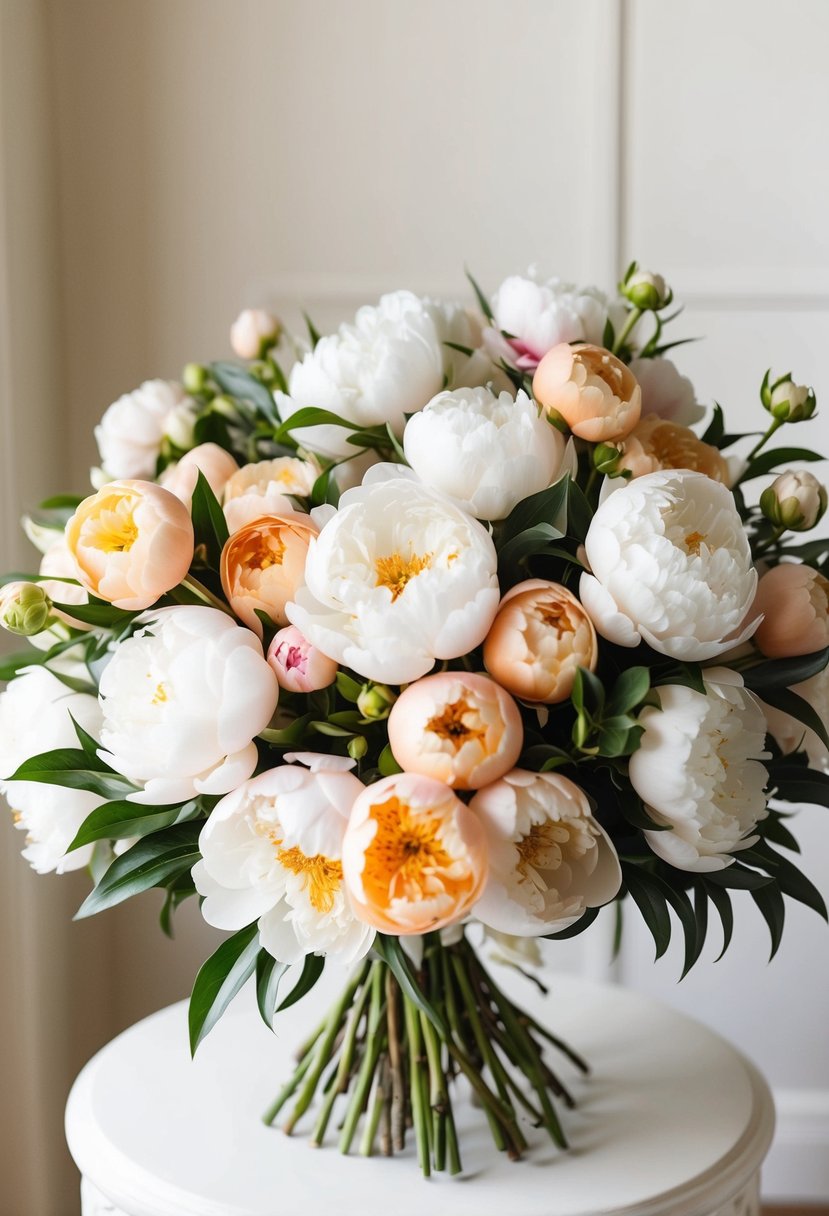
(606, 457)
(794, 500)
(357, 747)
(194, 377)
(646, 291)
(794, 600)
(25, 609)
(298, 665)
(787, 401)
(375, 701)
(254, 332)
(180, 426)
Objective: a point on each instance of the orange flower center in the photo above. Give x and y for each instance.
(322, 875)
(407, 858)
(263, 550)
(451, 724)
(693, 541)
(396, 571)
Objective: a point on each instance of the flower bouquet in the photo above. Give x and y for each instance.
(409, 645)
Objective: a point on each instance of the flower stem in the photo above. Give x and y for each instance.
(373, 1046)
(419, 1113)
(761, 442)
(201, 592)
(632, 317)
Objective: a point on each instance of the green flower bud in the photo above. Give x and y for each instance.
(225, 406)
(194, 377)
(646, 291)
(357, 747)
(796, 501)
(375, 701)
(606, 457)
(25, 609)
(787, 401)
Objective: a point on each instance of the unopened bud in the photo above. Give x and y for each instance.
(179, 426)
(194, 377)
(254, 332)
(796, 501)
(375, 701)
(25, 609)
(787, 401)
(357, 747)
(224, 406)
(646, 291)
(606, 457)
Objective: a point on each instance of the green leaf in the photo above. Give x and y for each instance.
(312, 969)
(269, 975)
(391, 952)
(325, 488)
(12, 664)
(347, 688)
(797, 707)
(795, 784)
(238, 382)
(544, 507)
(721, 900)
(738, 878)
(59, 501)
(314, 334)
(483, 302)
(149, 863)
(104, 616)
(288, 736)
(588, 692)
(767, 462)
(651, 903)
(528, 543)
(770, 902)
(178, 891)
(701, 919)
(775, 830)
(121, 820)
(629, 690)
(782, 673)
(791, 881)
(386, 762)
(716, 427)
(219, 980)
(311, 416)
(579, 511)
(209, 523)
(73, 768)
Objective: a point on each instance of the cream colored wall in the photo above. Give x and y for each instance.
(168, 161)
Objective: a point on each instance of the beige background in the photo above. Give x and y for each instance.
(165, 162)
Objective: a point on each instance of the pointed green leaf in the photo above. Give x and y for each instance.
(238, 382)
(312, 969)
(73, 768)
(770, 902)
(269, 975)
(122, 820)
(209, 523)
(722, 902)
(219, 980)
(149, 863)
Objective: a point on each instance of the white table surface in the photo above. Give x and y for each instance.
(672, 1122)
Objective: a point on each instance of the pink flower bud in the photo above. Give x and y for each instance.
(298, 665)
(253, 332)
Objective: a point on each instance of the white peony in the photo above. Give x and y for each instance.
(485, 451)
(549, 859)
(35, 717)
(183, 700)
(387, 364)
(671, 566)
(666, 392)
(699, 772)
(130, 434)
(398, 577)
(537, 315)
(271, 851)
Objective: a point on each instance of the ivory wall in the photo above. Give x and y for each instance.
(165, 162)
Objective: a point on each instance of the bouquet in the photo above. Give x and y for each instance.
(411, 644)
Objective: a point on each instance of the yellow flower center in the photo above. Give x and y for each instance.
(160, 694)
(451, 724)
(540, 849)
(396, 571)
(114, 529)
(264, 550)
(693, 541)
(322, 875)
(406, 855)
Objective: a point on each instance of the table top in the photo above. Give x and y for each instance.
(672, 1121)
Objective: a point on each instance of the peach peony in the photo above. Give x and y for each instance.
(593, 391)
(262, 488)
(655, 444)
(538, 640)
(794, 600)
(131, 542)
(414, 856)
(459, 728)
(263, 565)
(298, 665)
(213, 462)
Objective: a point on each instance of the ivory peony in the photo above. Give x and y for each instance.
(671, 566)
(538, 641)
(262, 488)
(414, 856)
(131, 543)
(530, 317)
(549, 860)
(699, 771)
(665, 392)
(457, 727)
(272, 852)
(130, 434)
(36, 712)
(183, 700)
(398, 577)
(485, 451)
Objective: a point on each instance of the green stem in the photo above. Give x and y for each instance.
(287, 1091)
(624, 334)
(438, 1094)
(761, 442)
(373, 1045)
(419, 1113)
(202, 593)
(398, 1091)
(376, 1102)
(344, 1065)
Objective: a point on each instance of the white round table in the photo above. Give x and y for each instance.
(672, 1122)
